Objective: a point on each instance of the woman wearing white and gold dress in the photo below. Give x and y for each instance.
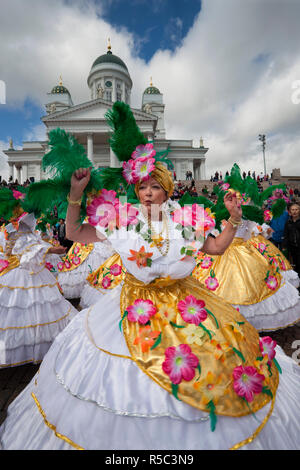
(253, 278)
(32, 309)
(75, 266)
(161, 363)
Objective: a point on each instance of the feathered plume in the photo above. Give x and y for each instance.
(126, 135)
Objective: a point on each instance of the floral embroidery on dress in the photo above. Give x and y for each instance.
(141, 257)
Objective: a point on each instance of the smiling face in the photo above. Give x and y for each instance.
(151, 194)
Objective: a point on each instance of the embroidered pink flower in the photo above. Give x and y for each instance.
(48, 265)
(76, 250)
(129, 172)
(225, 186)
(143, 151)
(262, 247)
(191, 310)
(76, 260)
(141, 311)
(180, 363)
(3, 264)
(115, 269)
(247, 382)
(60, 266)
(267, 346)
(101, 213)
(127, 215)
(211, 283)
(272, 282)
(206, 262)
(106, 282)
(143, 167)
(67, 264)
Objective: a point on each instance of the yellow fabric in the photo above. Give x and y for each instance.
(272, 252)
(77, 250)
(216, 356)
(13, 263)
(241, 272)
(96, 277)
(163, 176)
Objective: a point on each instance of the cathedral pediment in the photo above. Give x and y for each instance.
(91, 110)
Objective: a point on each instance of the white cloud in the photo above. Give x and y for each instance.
(229, 80)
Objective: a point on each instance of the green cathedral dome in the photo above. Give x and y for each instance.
(109, 57)
(152, 90)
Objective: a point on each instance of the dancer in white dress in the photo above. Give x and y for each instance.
(32, 308)
(159, 362)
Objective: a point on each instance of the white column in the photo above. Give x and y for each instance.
(202, 170)
(24, 172)
(18, 168)
(114, 162)
(11, 171)
(90, 147)
(114, 91)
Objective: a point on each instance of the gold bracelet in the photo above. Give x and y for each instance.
(234, 223)
(74, 203)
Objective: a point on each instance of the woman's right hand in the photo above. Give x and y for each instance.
(79, 181)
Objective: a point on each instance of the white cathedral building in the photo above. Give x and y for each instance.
(108, 81)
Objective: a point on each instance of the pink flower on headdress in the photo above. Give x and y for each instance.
(129, 172)
(18, 194)
(247, 382)
(141, 311)
(143, 151)
(191, 310)
(180, 363)
(267, 346)
(3, 264)
(143, 167)
(101, 213)
(225, 186)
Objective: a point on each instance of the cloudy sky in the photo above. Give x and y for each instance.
(229, 70)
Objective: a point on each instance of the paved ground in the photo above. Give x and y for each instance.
(14, 379)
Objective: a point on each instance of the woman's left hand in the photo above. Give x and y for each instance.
(233, 205)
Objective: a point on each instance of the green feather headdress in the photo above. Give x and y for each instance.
(66, 155)
(254, 200)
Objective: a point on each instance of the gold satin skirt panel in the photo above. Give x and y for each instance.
(242, 274)
(227, 341)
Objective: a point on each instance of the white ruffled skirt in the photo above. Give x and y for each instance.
(73, 282)
(32, 313)
(88, 395)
